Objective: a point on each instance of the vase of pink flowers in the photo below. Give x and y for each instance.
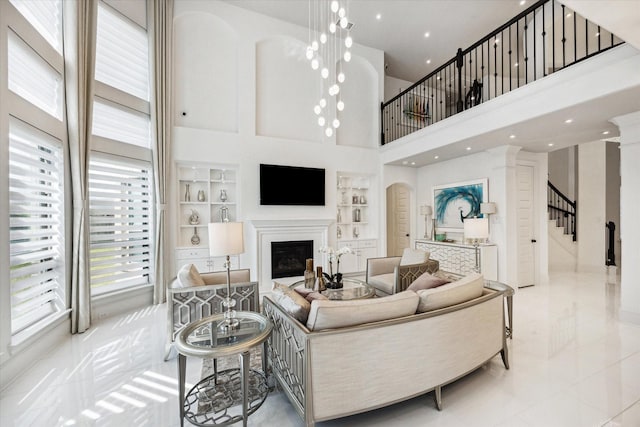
(334, 281)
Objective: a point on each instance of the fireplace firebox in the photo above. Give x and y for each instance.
(288, 258)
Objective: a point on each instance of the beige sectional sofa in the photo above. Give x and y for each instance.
(354, 356)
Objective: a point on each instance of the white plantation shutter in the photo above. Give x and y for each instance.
(122, 55)
(120, 124)
(36, 225)
(46, 18)
(120, 223)
(33, 78)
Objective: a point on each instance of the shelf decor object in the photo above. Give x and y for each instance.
(225, 239)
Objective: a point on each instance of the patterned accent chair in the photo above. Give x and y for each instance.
(390, 275)
(188, 301)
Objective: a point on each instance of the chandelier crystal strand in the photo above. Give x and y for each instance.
(329, 45)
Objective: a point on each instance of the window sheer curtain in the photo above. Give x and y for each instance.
(80, 57)
(160, 39)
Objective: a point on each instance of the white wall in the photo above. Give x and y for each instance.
(275, 119)
(591, 210)
(474, 166)
(393, 86)
(562, 170)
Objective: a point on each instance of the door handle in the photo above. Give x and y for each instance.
(407, 234)
(533, 240)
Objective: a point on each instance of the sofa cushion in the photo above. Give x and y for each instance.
(189, 276)
(309, 294)
(338, 314)
(427, 281)
(383, 282)
(291, 301)
(413, 256)
(465, 289)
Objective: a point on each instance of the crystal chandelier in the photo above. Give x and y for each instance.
(329, 45)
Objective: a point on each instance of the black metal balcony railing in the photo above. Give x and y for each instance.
(543, 39)
(562, 210)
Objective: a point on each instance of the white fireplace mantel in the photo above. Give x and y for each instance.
(282, 230)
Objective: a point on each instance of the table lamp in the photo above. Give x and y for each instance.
(476, 229)
(225, 239)
(427, 211)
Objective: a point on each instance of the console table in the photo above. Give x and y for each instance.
(461, 258)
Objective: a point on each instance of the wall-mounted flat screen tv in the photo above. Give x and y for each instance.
(291, 185)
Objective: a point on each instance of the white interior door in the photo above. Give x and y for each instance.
(526, 235)
(398, 219)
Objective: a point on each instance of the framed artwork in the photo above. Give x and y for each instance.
(415, 111)
(455, 202)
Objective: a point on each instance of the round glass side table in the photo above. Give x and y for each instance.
(214, 400)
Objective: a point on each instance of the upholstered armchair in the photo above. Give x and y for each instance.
(390, 275)
(192, 296)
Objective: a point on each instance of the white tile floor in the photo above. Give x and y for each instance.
(572, 364)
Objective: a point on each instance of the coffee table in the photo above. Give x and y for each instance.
(212, 400)
(352, 289)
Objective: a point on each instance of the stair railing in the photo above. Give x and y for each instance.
(562, 210)
(544, 38)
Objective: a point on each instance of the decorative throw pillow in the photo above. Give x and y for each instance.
(465, 289)
(303, 291)
(413, 256)
(189, 276)
(309, 294)
(427, 281)
(291, 301)
(315, 296)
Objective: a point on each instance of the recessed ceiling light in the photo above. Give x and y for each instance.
(598, 34)
(515, 65)
(428, 61)
(378, 16)
(568, 121)
(512, 136)
(522, 2)
(413, 163)
(550, 144)
(405, 162)
(436, 157)
(468, 148)
(496, 41)
(606, 132)
(427, 34)
(568, 15)
(438, 78)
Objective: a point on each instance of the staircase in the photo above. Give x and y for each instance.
(563, 249)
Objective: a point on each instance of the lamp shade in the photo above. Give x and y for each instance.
(226, 238)
(488, 208)
(476, 228)
(426, 210)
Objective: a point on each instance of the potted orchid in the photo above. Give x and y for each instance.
(334, 281)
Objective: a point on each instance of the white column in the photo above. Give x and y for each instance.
(629, 126)
(591, 209)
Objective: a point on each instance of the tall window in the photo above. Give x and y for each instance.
(120, 196)
(119, 171)
(35, 138)
(36, 225)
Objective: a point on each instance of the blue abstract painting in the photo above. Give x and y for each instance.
(455, 202)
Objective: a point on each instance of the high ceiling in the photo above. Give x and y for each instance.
(400, 31)
(452, 24)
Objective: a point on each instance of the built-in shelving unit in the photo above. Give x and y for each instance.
(206, 193)
(355, 227)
